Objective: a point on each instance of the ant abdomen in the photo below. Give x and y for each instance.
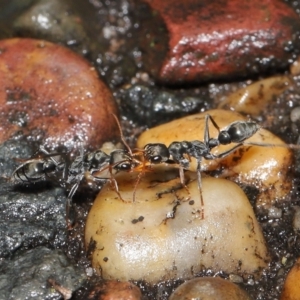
(30, 172)
(238, 132)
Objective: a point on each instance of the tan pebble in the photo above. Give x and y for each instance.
(291, 288)
(295, 67)
(263, 167)
(254, 98)
(53, 96)
(162, 235)
(296, 218)
(208, 288)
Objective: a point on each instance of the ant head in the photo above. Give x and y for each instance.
(156, 153)
(224, 138)
(121, 160)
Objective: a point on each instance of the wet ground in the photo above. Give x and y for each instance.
(122, 70)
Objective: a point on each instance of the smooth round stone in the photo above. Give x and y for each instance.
(162, 235)
(266, 166)
(209, 288)
(52, 96)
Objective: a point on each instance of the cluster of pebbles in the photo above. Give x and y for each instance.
(151, 240)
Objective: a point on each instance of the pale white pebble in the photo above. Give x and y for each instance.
(162, 236)
(235, 278)
(295, 114)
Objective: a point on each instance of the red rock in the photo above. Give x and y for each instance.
(224, 39)
(115, 290)
(51, 95)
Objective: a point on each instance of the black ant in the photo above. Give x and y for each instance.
(181, 152)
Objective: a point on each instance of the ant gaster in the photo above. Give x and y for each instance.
(39, 169)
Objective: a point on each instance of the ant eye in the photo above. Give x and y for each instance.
(224, 138)
(125, 166)
(156, 159)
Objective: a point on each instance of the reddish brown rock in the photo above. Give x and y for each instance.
(50, 95)
(291, 288)
(116, 290)
(223, 39)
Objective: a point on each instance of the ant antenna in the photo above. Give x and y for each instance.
(289, 146)
(132, 157)
(121, 134)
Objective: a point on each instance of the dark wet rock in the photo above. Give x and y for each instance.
(31, 219)
(38, 274)
(101, 31)
(54, 21)
(151, 106)
(209, 289)
(52, 96)
(223, 39)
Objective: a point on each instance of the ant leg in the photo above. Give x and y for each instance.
(206, 128)
(69, 204)
(114, 183)
(199, 180)
(182, 181)
(226, 153)
(122, 135)
(116, 188)
(136, 185)
(43, 150)
(213, 122)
